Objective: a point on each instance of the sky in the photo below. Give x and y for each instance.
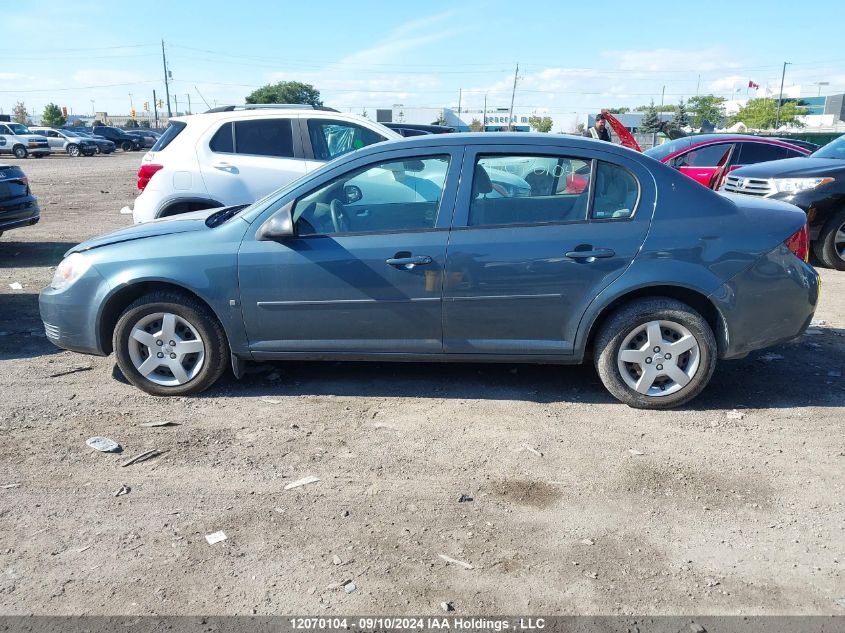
(574, 58)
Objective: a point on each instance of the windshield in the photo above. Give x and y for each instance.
(834, 149)
(17, 128)
(659, 152)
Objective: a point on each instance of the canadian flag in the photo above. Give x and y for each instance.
(751, 84)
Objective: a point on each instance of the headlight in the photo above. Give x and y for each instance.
(69, 270)
(794, 185)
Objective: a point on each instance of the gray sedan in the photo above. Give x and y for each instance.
(407, 251)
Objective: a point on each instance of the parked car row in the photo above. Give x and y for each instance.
(38, 141)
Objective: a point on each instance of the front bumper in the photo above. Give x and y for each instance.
(771, 302)
(70, 315)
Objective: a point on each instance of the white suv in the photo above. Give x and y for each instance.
(238, 154)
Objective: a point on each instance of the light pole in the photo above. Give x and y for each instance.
(92, 108)
(780, 99)
(820, 84)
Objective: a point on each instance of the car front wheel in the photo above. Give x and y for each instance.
(73, 150)
(126, 146)
(655, 353)
(169, 344)
(20, 152)
(830, 245)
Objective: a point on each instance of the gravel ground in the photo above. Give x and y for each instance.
(579, 505)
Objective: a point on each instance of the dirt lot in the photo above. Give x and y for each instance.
(579, 504)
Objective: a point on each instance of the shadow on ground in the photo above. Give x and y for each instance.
(807, 372)
(32, 254)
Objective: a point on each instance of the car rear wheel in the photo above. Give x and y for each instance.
(830, 245)
(126, 146)
(169, 344)
(20, 152)
(655, 353)
(73, 150)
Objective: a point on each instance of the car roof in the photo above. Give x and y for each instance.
(263, 112)
(533, 139)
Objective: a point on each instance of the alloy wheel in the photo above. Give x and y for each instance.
(166, 349)
(658, 358)
(839, 242)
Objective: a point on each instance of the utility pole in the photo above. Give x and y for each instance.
(780, 99)
(166, 84)
(513, 95)
(155, 107)
(460, 93)
(176, 103)
(484, 117)
(698, 85)
(190, 111)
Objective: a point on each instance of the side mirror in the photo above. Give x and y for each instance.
(353, 194)
(279, 226)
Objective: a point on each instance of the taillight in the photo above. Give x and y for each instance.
(145, 173)
(799, 243)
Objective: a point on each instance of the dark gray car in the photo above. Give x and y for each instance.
(406, 250)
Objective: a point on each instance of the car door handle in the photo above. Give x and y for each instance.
(225, 167)
(591, 254)
(409, 262)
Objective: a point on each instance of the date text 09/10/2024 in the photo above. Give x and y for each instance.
(467, 625)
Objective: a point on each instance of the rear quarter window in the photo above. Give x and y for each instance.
(173, 130)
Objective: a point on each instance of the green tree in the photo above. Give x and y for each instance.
(145, 123)
(650, 121)
(52, 116)
(286, 92)
(541, 124)
(761, 114)
(666, 107)
(20, 113)
(681, 118)
(579, 129)
(475, 126)
(619, 110)
(441, 119)
(706, 108)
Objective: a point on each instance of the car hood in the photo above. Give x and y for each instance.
(793, 168)
(185, 223)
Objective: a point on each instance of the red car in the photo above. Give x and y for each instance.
(702, 157)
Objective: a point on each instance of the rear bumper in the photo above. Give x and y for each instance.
(19, 212)
(769, 303)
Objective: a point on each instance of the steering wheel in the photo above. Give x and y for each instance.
(338, 214)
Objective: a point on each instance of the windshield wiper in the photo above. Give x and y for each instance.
(216, 219)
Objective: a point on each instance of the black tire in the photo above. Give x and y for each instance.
(626, 320)
(73, 150)
(216, 347)
(824, 248)
(126, 146)
(20, 152)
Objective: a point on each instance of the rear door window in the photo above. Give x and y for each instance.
(330, 139)
(264, 137)
(751, 153)
(526, 189)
